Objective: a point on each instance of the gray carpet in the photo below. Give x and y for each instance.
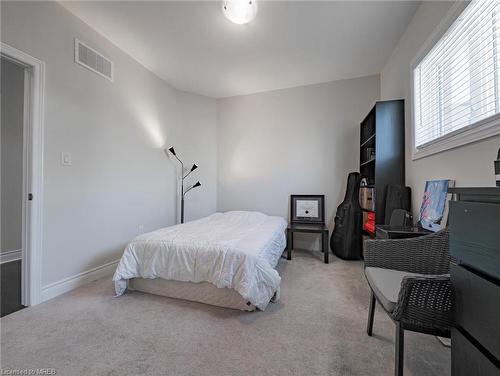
(318, 328)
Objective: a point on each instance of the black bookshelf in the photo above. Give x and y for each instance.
(382, 150)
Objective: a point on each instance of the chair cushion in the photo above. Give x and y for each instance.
(385, 284)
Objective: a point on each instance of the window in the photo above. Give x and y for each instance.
(456, 86)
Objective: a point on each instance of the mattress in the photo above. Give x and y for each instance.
(202, 292)
(234, 250)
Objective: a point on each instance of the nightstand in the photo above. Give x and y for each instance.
(308, 228)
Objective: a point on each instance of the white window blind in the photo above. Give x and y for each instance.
(457, 84)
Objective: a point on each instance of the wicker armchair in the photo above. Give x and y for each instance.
(410, 279)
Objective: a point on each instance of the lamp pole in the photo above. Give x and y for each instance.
(197, 184)
(182, 207)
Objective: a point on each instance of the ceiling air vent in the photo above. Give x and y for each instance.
(93, 60)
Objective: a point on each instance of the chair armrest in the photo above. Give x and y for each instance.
(425, 302)
(427, 254)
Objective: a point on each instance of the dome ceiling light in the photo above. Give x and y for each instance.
(240, 11)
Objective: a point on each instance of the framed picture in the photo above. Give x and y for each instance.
(307, 209)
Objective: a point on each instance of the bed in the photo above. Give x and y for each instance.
(225, 259)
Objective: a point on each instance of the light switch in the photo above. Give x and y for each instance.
(66, 158)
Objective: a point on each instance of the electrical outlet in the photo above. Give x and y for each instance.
(141, 229)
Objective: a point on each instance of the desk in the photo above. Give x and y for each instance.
(308, 228)
(475, 244)
(400, 232)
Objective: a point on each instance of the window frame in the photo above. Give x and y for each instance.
(477, 131)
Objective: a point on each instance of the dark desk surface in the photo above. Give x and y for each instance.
(400, 232)
(482, 194)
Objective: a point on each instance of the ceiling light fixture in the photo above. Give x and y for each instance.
(240, 11)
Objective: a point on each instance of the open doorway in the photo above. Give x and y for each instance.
(21, 157)
(12, 183)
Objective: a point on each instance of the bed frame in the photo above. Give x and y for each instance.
(203, 292)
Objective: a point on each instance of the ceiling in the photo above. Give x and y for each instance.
(194, 48)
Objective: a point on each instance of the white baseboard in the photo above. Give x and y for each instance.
(70, 283)
(10, 256)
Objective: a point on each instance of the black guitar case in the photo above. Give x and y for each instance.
(346, 240)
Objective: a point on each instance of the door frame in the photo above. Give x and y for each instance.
(32, 172)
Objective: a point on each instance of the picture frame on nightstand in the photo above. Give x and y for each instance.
(307, 209)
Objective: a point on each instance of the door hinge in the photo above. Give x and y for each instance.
(30, 196)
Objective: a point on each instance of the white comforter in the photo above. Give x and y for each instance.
(237, 250)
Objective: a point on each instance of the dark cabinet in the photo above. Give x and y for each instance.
(474, 222)
(468, 360)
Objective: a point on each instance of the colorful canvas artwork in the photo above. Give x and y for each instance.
(433, 204)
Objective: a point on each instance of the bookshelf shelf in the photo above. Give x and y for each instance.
(367, 162)
(371, 138)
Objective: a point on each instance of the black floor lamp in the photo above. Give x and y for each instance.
(183, 193)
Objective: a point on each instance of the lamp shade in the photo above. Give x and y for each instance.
(172, 150)
(194, 167)
(197, 184)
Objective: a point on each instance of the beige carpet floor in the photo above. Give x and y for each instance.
(318, 328)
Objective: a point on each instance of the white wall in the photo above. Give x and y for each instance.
(470, 165)
(199, 146)
(120, 177)
(291, 141)
(12, 94)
